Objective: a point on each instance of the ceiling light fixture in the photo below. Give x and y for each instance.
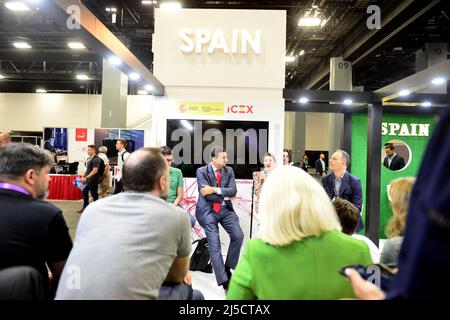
(134, 76)
(114, 60)
(438, 81)
(2, 76)
(21, 45)
(426, 104)
(304, 100)
(148, 87)
(302, 52)
(313, 17)
(17, 6)
(170, 6)
(289, 59)
(41, 91)
(404, 93)
(348, 102)
(76, 45)
(142, 92)
(82, 77)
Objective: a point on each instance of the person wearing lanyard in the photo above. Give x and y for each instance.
(33, 232)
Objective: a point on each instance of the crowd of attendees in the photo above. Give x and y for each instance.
(136, 244)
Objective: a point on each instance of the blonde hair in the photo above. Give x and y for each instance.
(399, 193)
(294, 206)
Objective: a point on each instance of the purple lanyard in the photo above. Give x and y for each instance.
(10, 186)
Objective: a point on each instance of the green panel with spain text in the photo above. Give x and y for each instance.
(395, 127)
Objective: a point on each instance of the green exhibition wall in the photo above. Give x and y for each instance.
(405, 133)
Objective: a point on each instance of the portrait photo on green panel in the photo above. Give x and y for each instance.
(396, 155)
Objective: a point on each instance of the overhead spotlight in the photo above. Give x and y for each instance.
(17, 6)
(82, 77)
(108, 9)
(114, 60)
(142, 92)
(309, 22)
(426, 104)
(302, 52)
(289, 59)
(21, 45)
(348, 102)
(438, 81)
(404, 93)
(134, 76)
(304, 100)
(170, 6)
(147, 2)
(2, 76)
(113, 9)
(41, 91)
(149, 87)
(76, 45)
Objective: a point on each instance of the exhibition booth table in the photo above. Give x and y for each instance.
(61, 187)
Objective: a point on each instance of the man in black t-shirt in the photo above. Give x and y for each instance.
(91, 176)
(32, 232)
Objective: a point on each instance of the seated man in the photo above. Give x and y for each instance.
(129, 244)
(32, 232)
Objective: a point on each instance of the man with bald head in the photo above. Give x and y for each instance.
(5, 138)
(129, 244)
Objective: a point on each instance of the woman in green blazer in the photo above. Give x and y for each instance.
(299, 249)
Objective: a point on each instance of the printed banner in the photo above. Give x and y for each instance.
(201, 108)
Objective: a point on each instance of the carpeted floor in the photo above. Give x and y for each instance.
(205, 282)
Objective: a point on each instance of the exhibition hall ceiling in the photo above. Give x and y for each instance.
(379, 57)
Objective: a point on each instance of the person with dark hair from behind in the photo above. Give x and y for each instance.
(122, 155)
(399, 194)
(32, 232)
(91, 176)
(216, 185)
(424, 260)
(48, 140)
(392, 161)
(176, 182)
(129, 244)
(5, 138)
(341, 184)
(348, 216)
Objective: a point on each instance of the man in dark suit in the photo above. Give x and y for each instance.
(32, 232)
(341, 184)
(321, 166)
(392, 161)
(216, 185)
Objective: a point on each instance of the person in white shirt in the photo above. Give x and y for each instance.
(122, 155)
(104, 183)
(348, 215)
(321, 166)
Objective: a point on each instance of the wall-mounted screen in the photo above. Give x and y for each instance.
(245, 142)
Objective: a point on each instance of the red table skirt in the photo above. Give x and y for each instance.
(61, 187)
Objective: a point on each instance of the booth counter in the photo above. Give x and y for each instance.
(61, 187)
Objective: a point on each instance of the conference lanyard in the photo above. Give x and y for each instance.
(14, 187)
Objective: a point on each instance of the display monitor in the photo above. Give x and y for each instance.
(246, 142)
